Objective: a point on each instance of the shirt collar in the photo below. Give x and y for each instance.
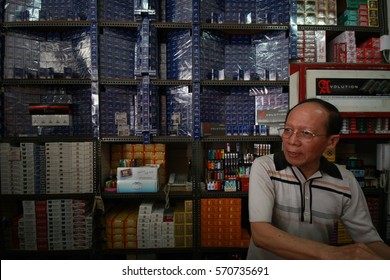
(325, 165)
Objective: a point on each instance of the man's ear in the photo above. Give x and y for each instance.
(333, 140)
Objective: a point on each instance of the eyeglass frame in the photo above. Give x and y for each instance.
(299, 133)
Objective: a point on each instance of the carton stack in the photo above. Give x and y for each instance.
(69, 224)
(183, 224)
(32, 168)
(27, 231)
(69, 167)
(143, 223)
(11, 166)
(149, 225)
(121, 228)
(156, 219)
(342, 235)
(373, 13)
(342, 49)
(168, 229)
(221, 223)
(140, 154)
(311, 46)
(320, 12)
(369, 52)
(55, 225)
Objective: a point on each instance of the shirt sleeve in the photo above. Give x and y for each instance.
(356, 215)
(261, 194)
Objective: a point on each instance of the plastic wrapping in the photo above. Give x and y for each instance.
(272, 56)
(146, 50)
(147, 114)
(18, 121)
(148, 8)
(117, 53)
(240, 110)
(213, 55)
(244, 57)
(272, 104)
(321, 12)
(179, 10)
(116, 10)
(240, 58)
(47, 10)
(179, 111)
(233, 107)
(179, 55)
(45, 56)
(245, 11)
(117, 111)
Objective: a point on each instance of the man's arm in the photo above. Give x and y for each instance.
(381, 249)
(288, 246)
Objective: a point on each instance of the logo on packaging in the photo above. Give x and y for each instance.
(324, 86)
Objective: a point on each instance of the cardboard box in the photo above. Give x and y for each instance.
(137, 179)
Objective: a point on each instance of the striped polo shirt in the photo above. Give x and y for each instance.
(307, 207)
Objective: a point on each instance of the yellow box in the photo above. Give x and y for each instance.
(188, 241)
(188, 206)
(149, 147)
(114, 231)
(128, 155)
(130, 237)
(138, 147)
(179, 229)
(180, 241)
(130, 245)
(138, 155)
(188, 229)
(159, 147)
(159, 155)
(148, 155)
(188, 217)
(128, 148)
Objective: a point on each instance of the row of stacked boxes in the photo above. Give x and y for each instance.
(312, 47)
(221, 223)
(150, 225)
(343, 49)
(18, 120)
(53, 168)
(247, 11)
(138, 155)
(53, 225)
(359, 13)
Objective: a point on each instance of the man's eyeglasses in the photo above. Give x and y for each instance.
(305, 135)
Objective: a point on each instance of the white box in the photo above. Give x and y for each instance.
(138, 179)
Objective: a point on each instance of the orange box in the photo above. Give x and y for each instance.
(204, 215)
(210, 208)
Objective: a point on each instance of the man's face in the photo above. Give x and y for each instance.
(302, 153)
